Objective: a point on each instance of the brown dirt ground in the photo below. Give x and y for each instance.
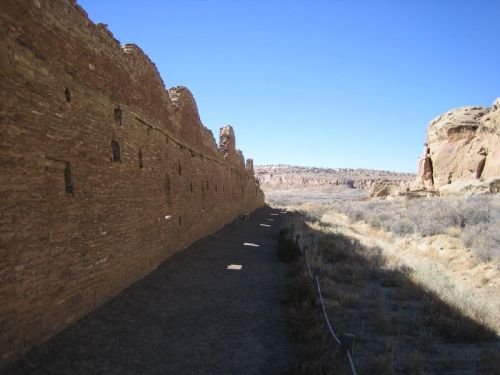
(190, 316)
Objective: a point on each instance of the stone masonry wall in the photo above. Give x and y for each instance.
(104, 173)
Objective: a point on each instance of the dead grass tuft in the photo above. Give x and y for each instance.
(451, 322)
(315, 356)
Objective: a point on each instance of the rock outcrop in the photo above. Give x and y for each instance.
(461, 187)
(462, 144)
(386, 188)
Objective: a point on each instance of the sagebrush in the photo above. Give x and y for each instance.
(475, 219)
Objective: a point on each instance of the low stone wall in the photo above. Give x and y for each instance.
(104, 173)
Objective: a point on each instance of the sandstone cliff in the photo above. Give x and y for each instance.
(462, 144)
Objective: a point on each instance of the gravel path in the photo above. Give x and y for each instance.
(190, 316)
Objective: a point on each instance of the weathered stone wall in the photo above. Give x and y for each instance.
(104, 173)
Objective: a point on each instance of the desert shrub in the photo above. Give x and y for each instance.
(344, 296)
(381, 364)
(288, 248)
(302, 292)
(488, 362)
(357, 215)
(314, 354)
(452, 323)
(379, 302)
(477, 218)
(406, 270)
(484, 239)
(402, 227)
(442, 213)
(374, 221)
(374, 257)
(461, 212)
(349, 273)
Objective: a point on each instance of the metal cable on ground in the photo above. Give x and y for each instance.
(351, 363)
(324, 311)
(330, 328)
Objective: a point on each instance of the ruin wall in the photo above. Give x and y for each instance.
(104, 173)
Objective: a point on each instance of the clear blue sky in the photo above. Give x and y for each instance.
(327, 83)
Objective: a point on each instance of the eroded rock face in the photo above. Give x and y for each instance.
(462, 144)
(469, 187)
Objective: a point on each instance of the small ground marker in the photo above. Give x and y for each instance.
(250, 244)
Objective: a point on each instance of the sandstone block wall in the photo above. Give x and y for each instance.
(104, 173)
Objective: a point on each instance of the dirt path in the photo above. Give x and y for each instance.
(190, 316)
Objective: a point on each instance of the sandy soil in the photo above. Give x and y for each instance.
(190, 316)
(441, 262)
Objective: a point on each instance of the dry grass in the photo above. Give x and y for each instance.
(288, 247)
(488, 362)
(396, 321)
(475, 219)
(315, 356)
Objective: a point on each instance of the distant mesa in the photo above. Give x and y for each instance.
(282, 177)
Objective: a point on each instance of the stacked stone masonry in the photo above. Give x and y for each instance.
(104, 173)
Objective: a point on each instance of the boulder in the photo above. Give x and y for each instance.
(385, 188)
(470, 187)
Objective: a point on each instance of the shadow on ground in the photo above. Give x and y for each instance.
(190, 316)
(399, 326)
